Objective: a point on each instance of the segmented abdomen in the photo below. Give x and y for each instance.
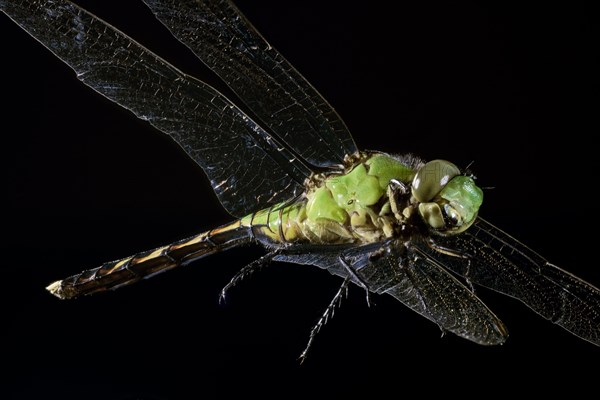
(114, 274)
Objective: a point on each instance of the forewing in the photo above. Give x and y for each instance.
(417, 281)
(280, 96)
(498, 261)
(247, 167)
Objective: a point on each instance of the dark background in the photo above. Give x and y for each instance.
(84, 181)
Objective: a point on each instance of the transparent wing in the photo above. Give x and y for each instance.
(417, 281)
(247, 167)
(500, 262)
(226, 42)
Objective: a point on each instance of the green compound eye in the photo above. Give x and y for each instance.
(455, 207)
(462, 199)
(431, 179)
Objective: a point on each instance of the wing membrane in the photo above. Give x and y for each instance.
(425, 287)
(226, 42)
(248, 168)
(416, 280)
(500, 262)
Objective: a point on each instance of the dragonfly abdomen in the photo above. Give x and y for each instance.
(114, 274)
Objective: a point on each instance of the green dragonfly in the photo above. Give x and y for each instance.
(296, 182)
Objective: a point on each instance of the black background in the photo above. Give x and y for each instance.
(83, 182)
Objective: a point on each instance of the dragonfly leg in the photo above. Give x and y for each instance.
(245, 272)
(357, 278)
(399, 197)
(455, 253)
(398, 186)
(329, 311)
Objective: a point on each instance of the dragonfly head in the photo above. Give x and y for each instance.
(448, 202)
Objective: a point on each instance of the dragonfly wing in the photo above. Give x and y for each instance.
(248, 167)
(498, 261)
(416, 280)
(280, 96)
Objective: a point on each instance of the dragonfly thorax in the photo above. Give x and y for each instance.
(378, 197)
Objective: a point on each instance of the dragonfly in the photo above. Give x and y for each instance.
(291, 175)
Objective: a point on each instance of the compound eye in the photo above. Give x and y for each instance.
(431, 179)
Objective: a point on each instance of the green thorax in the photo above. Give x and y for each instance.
(339, 208)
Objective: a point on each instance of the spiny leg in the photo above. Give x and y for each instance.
(399, 196)
(359, 281)
(245, 272)
(455, 253)
(329, 311)
(399, 186)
